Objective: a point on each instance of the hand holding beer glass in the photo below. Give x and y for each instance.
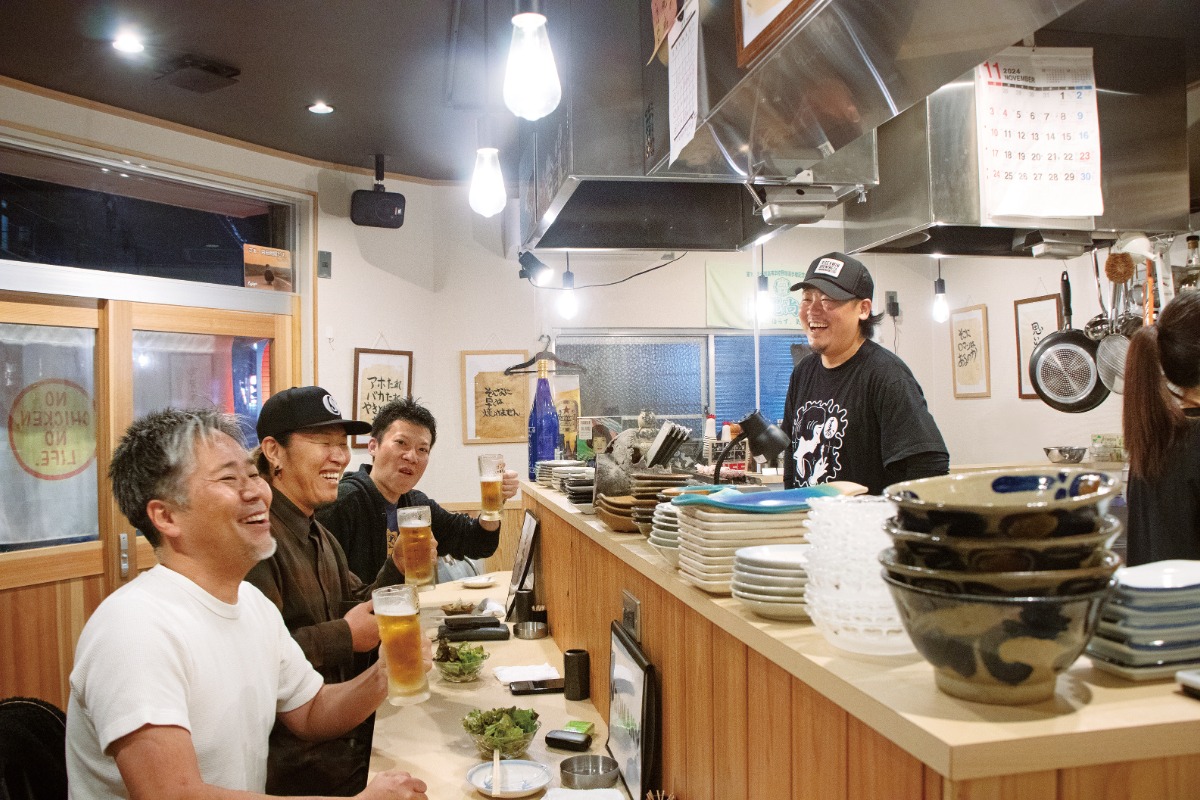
(491, 486)
(418, 549)
(401, 643)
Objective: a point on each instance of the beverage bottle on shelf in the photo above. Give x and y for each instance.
(1191, 267)
(543, 422)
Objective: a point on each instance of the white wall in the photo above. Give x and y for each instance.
(441, 284)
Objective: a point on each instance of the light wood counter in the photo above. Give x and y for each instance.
(428, 739)
(848, 726)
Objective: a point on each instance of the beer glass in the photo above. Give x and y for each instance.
(399, 615)
(491, 477)
(418, 550)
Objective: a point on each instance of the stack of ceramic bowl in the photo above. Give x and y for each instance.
(616, 512)
(1150, 628)
(1000, 575)
(579, 487)
(664, 532)
(771, 580)
(544, 470)
(710, 536)
(847, 598)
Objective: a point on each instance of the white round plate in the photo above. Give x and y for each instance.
(767, 581)
(478, 582)
(767, 595)
(771, 572)
(671, 554)
(518, 778)
(788, 612)
(776, 556)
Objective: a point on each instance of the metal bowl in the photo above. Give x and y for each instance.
(530, 630)
(588, 771)
(1065, 455)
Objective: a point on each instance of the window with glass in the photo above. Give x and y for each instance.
(48, 478)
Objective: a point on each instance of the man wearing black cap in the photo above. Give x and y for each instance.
(327, 609)
(854, 411)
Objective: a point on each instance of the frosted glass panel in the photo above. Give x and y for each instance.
(48, 482)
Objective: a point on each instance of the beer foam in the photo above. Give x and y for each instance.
(490, 479)
(394, 607)
(413, 523)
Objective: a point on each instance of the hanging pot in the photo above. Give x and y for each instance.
(1063, 367)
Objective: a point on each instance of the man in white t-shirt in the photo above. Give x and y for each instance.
(180, 675)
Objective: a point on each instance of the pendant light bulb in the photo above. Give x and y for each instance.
(487, 194)
(568, 303)
(941, 309)
(531, 87)
(766, 307)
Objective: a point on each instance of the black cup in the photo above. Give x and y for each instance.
(523, 606)
(577, 666)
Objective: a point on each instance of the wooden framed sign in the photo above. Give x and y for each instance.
(1036, 318)
(379, 376)
(495, 405)
(970, 364)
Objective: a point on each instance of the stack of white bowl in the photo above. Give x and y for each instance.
(771, 580)
(709, 537)
(847, 598)
(1150, 628)
(664, 532)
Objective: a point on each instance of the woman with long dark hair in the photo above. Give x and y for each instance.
(1162, 435)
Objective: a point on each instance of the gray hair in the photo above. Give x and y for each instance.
(157, 454)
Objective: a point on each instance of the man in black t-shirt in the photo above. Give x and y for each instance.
(854, 411)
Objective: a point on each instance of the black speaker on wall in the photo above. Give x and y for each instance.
(376, 208)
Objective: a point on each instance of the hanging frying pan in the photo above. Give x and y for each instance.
(1063, 369)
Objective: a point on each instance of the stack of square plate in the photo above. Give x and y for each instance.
(771, 580)
(579, 487)
(648, 485)
(616, 513)
(544, 470)
(1150, 628)
(560, 475)
(709, 537)
(664, 532)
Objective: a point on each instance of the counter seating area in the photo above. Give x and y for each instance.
(754, 708)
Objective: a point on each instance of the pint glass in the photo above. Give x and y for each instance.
(418, 550)
(491, 477)
(399, 615)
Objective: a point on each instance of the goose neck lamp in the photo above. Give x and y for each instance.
(767, 441)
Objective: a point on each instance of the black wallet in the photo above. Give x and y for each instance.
(491, 633)
(569, 740)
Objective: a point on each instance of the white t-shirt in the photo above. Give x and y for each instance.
(162, 651)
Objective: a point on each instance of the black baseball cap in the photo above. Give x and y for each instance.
(303, 407)
(839, 276)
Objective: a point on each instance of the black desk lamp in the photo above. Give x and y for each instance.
(767, 441)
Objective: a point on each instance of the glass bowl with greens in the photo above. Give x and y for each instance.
(509, 730)
(459, 663)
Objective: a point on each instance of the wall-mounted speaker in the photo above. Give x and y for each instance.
(377, 208)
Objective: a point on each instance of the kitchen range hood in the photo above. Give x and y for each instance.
(777, 144)
(928, 197)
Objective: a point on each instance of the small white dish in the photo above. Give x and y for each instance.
(775, 556)
(786, 612)
(768, 581)
(712, 587)
(773, 592)
(1160, 576)
(478, 582)
(769, 572)
(1141, 656)
(1155, 673)
(702, 570)
(763, 595)
(670, 554)
(518, 778)
(741, 535)
(1149, 635)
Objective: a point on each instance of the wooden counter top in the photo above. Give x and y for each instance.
(1094, 718)
(428, 739)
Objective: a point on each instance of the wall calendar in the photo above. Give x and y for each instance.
(1039, 134)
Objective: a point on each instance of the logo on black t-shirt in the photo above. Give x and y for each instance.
(817, 437)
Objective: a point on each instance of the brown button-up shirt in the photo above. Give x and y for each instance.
(309, 582)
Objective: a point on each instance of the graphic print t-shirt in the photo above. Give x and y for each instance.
(850, 422)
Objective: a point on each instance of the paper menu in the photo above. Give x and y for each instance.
(1039, 134)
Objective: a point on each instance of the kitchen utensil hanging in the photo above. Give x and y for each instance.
(1112, 349)
(1063, 368)
(1100, 325)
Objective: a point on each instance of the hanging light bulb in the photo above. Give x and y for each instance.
(763, 303)
(941, 309)
(531, 87)
(568, 304)
(487, 195)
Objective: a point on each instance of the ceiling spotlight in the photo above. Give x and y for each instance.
(533, 269)
(128, 42)
(320, 107)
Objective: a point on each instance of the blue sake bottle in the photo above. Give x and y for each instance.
(543, 422)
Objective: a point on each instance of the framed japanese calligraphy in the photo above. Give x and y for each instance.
(495, 405)
(379, 376)
(969, 362)
(1036, 317)
(759, 24)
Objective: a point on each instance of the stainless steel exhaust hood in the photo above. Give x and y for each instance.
(797, 126)
(927, 200)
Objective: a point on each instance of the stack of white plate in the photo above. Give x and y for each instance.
(771, 580)
(544, 470)
(579, 487)
(1150, 628)
(709, 537)
(664, 532)
(560, 475)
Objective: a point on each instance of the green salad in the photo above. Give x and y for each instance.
(508, 730)
(459, 660)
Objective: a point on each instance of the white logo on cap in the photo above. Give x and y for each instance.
(829, 266)
(331, 405)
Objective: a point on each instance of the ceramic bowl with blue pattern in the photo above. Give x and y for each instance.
(999, 650)
(1022, 503)
(1031, 583)
(936, 551)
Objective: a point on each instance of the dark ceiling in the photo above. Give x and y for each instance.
(406, 77)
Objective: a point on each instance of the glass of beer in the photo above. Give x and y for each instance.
(418, 550)
(399, 615)
(491, 478)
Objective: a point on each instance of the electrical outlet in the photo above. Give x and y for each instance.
(631, 614)
(324, 264)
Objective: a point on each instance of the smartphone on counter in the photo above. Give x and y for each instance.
(547, 686)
